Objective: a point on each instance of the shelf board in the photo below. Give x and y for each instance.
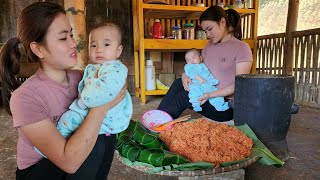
(156, 92)
(179, 12)
(173, 44)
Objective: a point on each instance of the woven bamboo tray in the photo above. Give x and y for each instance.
(217, 170)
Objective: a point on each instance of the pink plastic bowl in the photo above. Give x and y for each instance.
(155, 117)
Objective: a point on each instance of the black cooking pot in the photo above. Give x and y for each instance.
(265, 102)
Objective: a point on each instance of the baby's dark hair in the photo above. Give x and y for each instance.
(109, 24)
(193, 50)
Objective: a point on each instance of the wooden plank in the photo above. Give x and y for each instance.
(296, 74)
(247, 29)
(302, 66)
(163, 25)
(136, 71)
(167, 62)
(272, 44)
(316, 57)
(141, 54)
(173, 44)
(306, 88)
(149, 27)
(156, 92)
(255, 34)
(259, 53)
(271, 36)
(168, 10)
(276, 55)
(155, 56)
(281, 55)
(135, 27)
(306, 32)
(292, 20)
(78, 22)
(168, 28)
(314, 69)
(263, 56)
(166, 44)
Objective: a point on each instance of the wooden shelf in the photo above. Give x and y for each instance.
(173, 44)
(156, 92)
(152, 92)
(179, 12)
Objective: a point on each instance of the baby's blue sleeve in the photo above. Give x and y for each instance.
(206, 74)
(111, 79)
(191, 70)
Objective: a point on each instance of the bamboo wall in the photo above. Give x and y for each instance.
(270, 54)
(306, 67)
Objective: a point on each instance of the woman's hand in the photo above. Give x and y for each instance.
(185, 81)
(203, 99)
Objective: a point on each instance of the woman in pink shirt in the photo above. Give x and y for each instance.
(225, 55)
(45, 36)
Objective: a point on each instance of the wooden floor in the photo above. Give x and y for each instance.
(303, 140)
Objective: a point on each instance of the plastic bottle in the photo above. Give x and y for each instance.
(200, 34)
(220, 4)
(248, 4)
(156, 30)
(238, 4)
(150, 76)
(176, 32)
(188, 31)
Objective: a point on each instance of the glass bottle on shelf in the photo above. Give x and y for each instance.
(220, 4)
(248, 4)
(176, 32)
(188, 31)
(238, 4)
(200, 33)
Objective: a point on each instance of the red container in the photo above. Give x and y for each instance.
(156, 30)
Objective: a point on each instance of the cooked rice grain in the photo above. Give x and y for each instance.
(202, 140)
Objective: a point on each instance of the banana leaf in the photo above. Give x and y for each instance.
(147, 140)
(140, 135)
(259, 149)
(130, 150)
(137, 144)
(159, 159)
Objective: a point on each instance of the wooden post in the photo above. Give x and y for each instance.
(76, 15)
(291, 27)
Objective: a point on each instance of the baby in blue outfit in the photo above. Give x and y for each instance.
(102, 81)
(202, 82)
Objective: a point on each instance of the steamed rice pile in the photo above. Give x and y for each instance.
(202, 140)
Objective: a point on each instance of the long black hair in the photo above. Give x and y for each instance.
(33, 24)
(232, 17)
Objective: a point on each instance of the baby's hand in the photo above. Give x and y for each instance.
(199, 78)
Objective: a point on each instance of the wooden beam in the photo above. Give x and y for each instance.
(76, 15)
(291, 27)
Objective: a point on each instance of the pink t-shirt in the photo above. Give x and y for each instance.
(221, 59)
(37, 99)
